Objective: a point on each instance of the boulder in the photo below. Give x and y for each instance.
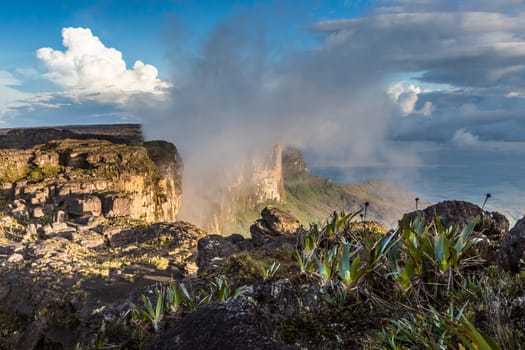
(80, 205)
(512, 248)
(274, 223)
(121, 235)
(212, 250)
(15, 258)
(19, 209)
(232, 325)
(88, 239)
(493, 224)
(38, 212)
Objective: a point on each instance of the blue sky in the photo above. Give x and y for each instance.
(135, 27)
(156, 32)
(395, 85)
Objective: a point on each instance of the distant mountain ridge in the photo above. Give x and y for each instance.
(311, 198)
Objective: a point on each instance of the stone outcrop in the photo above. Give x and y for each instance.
(231, 325)
(512, 248)
(490, 229)
(293, 162)
(274, 222)
(493, 225)
(69, 178)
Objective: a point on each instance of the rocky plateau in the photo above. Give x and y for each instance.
(89, 234)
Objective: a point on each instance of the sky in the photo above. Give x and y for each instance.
(429, 94)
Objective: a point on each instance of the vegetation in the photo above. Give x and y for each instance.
(421, 286)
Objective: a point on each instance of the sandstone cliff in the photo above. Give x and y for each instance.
(253, 181)
(72, 175)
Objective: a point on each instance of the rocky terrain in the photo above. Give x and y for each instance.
(92, 257)
(77, 178)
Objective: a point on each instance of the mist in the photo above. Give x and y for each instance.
(242, 94)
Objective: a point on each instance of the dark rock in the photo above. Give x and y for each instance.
(212, 251)
(231, 325)
(81, 205)
(493, 224)
(512, 248)
(274, 223)
(235, 238)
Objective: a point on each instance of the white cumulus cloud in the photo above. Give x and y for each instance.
(87, 69)
(406, 99)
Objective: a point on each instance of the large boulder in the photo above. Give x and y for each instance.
(512, 248)
(213, 249)
(231, 325)
(492, 224)
(491, 227)
(274, 223)
(84, 204)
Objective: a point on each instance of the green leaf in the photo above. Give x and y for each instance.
(354, 275)
(344, 264)
(405, 277)
(481, 340)
(463, 236)
(159, 310)
(439, 247)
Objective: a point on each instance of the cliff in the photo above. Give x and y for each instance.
(94, 171)
(253, 181)
(281, 178)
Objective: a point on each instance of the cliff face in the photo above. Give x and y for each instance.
(267, 181)
(79, 177)
(251, 182)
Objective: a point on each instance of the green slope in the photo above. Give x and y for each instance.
(311, 198)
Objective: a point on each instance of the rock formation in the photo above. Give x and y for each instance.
(253, 181)
(293, 162)
(77, 176)
(490, 229)
(512, 248)
(493, 225)
(274, 222)
(80, 228)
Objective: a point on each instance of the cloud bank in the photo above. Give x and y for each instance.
(462, 89)
(88, 70)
